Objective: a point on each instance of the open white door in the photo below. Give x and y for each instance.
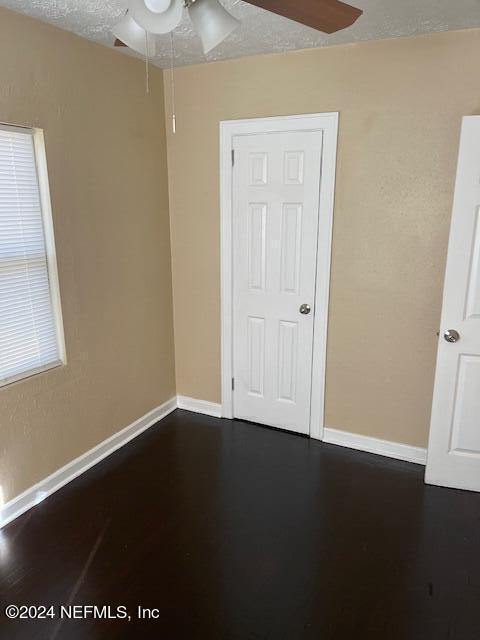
(454, 446)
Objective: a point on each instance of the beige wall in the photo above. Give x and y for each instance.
(400, 103)
(105, 146)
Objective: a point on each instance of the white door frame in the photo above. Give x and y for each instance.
(328, 124)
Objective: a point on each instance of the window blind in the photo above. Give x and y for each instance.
(28, 332)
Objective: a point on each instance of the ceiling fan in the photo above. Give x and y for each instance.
(214, 23)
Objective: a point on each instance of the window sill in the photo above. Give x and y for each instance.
(31, 372)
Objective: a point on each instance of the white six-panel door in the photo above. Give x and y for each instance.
(454, 446)
(276, 182)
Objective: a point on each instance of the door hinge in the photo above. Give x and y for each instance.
(233, 157)
(233, 384)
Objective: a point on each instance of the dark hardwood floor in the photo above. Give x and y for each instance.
(234, 531)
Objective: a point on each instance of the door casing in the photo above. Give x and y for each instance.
(328, 124)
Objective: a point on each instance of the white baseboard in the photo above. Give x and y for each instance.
(200, 406)
(33, 496)
(375, 445)
(29, 498)
(386, 448)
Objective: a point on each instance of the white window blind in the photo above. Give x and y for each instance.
(30, 338)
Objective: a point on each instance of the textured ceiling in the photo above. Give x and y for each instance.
(261, 31)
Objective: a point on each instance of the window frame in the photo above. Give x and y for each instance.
(40, 158)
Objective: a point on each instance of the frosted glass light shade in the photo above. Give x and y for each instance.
(157, 5)
(157, 16)
(212, 22)
(131, 34)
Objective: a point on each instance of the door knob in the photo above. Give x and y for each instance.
(451, 335)
(305, 309)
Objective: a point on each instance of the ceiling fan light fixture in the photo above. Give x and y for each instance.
(157, 16)
(211, 21)
(157, 6)
(132, 34)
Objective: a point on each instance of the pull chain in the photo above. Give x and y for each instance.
(172, 82)
(147, 78)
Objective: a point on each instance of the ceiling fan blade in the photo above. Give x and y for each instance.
(119, 43)
(324, 15)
